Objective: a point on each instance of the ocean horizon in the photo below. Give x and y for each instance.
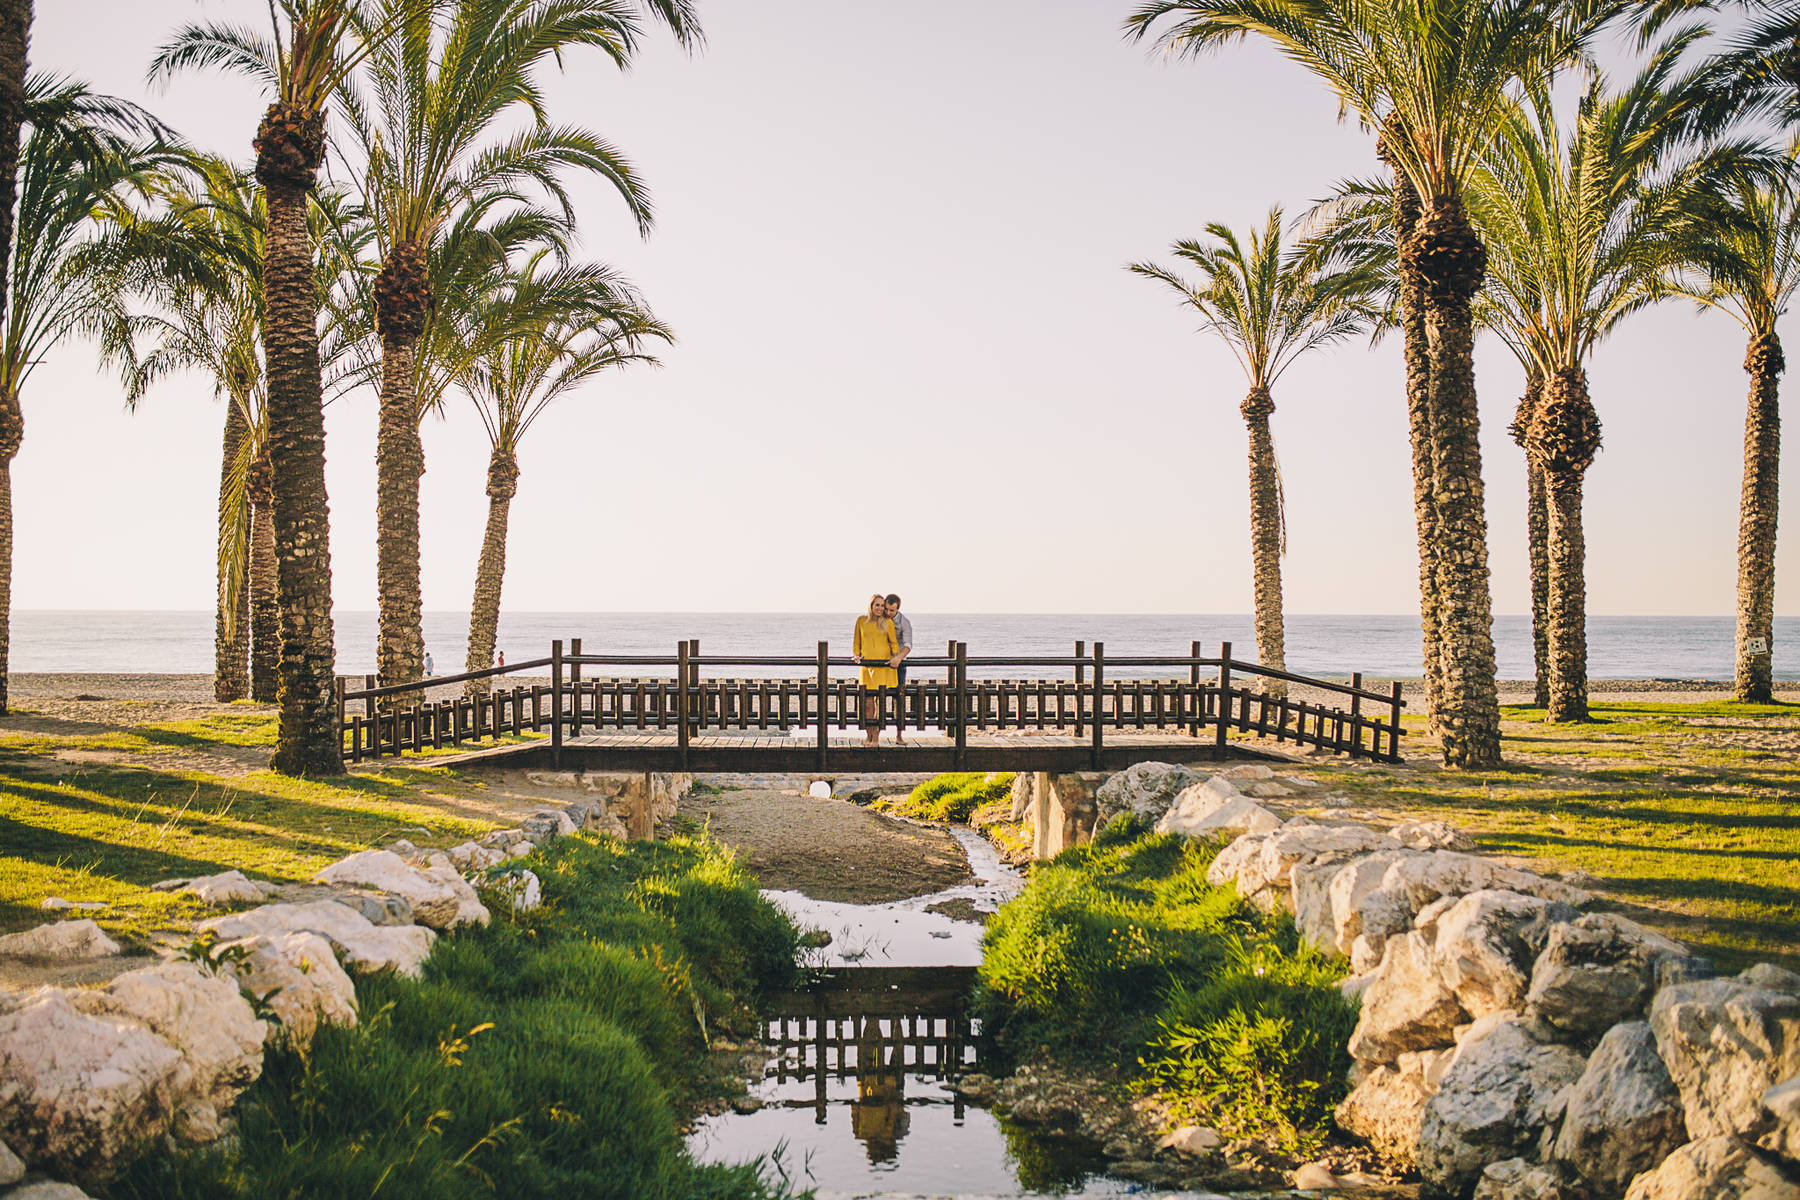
(1380, 646)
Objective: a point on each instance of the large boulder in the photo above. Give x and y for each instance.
(1351, 885)
(1503, 1088)
(1594, 972)
(1206, 811)
(1484, 943)
(364, 945)
(1716, 1168)
(1145, 790)
(1387, 1107)
(1230, 861)
(1782, 1103)
(433, 902)
(1624, 1115)
(1407, 1006)
(1726, 1042)
(1431, 835)
(60, 939)
(1306, 842)
(201, 1015)
(80, 1092)
(1521, 1179)
(298, 977)
(469, 908)
(228, 887)
(1309, 885)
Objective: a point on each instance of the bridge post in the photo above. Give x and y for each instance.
(556, 690)
(1194, 682)
(681, 701)
(1356, 715)
(1080, 672)
(574, 692)
(1224, 699)
(962, 702)
(824, 688)
(368, 701)
(1094, 754)
(1394, 731)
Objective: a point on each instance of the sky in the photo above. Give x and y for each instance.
(891, 241)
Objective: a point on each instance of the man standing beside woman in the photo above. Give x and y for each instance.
(882, 640)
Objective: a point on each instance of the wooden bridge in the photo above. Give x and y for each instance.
(677, 712)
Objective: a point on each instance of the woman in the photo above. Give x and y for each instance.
(874, 645)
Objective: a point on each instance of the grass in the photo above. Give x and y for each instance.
(543, 1056)
(1686, 815)
(1120, 954)
(952, 797)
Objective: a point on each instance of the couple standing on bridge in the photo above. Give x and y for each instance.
(883, 640)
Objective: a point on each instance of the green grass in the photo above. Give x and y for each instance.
(1687, 815)
(951, 798)
(544, 1056)
(1121, 954)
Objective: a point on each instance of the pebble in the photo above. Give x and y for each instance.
(58, 904)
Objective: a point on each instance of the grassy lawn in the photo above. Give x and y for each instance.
(103, 815)
(1687, 815)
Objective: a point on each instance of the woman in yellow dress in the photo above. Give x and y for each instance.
(875, 642)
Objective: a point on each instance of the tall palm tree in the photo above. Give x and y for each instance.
(314, 45)
(1436, 78)
(1582, 230)
(1270, 305)
(15, 44)
(540, 336)
(1537, 534)
(433, 139)
(1742, 257)
(84, 154)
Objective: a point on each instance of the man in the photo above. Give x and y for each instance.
(903, 635)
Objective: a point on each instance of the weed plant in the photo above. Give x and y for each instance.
(952, 797)
(1119, 954)
(544, 1056)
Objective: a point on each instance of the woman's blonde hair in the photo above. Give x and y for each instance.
(877, 598)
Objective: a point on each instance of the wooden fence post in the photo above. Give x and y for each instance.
(368, 701)
(1080, 673)
(824, 733)
(682, 732)
(1224, 699)
(1194, 683)
(962, 703)
(1099, 705)
(574, 689)
(337, 691)
(1356, 715)
(1394, 732)
(556, 690)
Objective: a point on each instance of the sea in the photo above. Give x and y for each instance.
(1381, 647)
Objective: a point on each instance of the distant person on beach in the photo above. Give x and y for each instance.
(902, 635)
(874, 646)
(429, 669)
(502, 657)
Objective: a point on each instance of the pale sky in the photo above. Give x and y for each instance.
(891, 241)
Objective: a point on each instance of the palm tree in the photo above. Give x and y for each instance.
(315, 45)
(1742, 257)
(84, 153)
(1582, 231)
(1270, 306)
(1537, 534)
(433, 140)
(1436, 77)
(15, 42)
(540, 337)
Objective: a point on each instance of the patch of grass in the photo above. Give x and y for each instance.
(951, 798)
(1120, 951)
(543, 1056)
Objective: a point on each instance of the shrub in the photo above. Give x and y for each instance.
(952, 797)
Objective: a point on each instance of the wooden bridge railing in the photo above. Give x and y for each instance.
(1089, 694)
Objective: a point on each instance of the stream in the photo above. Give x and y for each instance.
(855, 1100)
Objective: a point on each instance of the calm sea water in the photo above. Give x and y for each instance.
(1378, 646)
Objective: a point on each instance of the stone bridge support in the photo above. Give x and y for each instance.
(1060, 808)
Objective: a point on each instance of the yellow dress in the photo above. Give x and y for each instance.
(875, 639)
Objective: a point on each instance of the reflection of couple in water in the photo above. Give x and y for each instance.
(878, 1116)
(883, 640)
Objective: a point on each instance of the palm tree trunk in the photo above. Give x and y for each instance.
(1265, 536)
(15, 48)
(1756, 522)
(1565, 437)
(1537, 536)
(1418, 420)
(231, 630)
(1450, 261)
(401, 300)
(484, 614)
(265, 610)
(289, 146)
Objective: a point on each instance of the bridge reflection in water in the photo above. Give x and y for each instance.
(875, 1026)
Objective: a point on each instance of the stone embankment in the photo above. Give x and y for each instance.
(91, 1077)
(1511, 1044)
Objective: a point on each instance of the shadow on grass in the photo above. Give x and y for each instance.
(132, 864)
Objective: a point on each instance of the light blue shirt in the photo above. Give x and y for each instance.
(903, 630)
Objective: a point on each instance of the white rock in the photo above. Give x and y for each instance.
(522, 889)
(11, 1169)
(297, 975)
(1309, 889)
(521, 849)
(1431, 835)
(1596, 971)
(1315, 1176)
(1353, 986)
(1191, 1139)
(1386, 1109)
(1253, 771)
(1726, 1042)
(1143, 789)
(433, 902)
(1350, 886)
(48, 1190)
(1715, 1168)
(204, 1017)
(1267, 789)
(1782, 1103)
(1519, 1179)
(78, 1092)
(1484, 946)
(61, 939)
(228, 887)
(1230, 861)
(1309, 843)
(469, 908)
(1624, 1114)
(1407, 1006)
(365, 946)
(1203, 815)
(58, 904)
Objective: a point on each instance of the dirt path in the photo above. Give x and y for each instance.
(830, 849)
